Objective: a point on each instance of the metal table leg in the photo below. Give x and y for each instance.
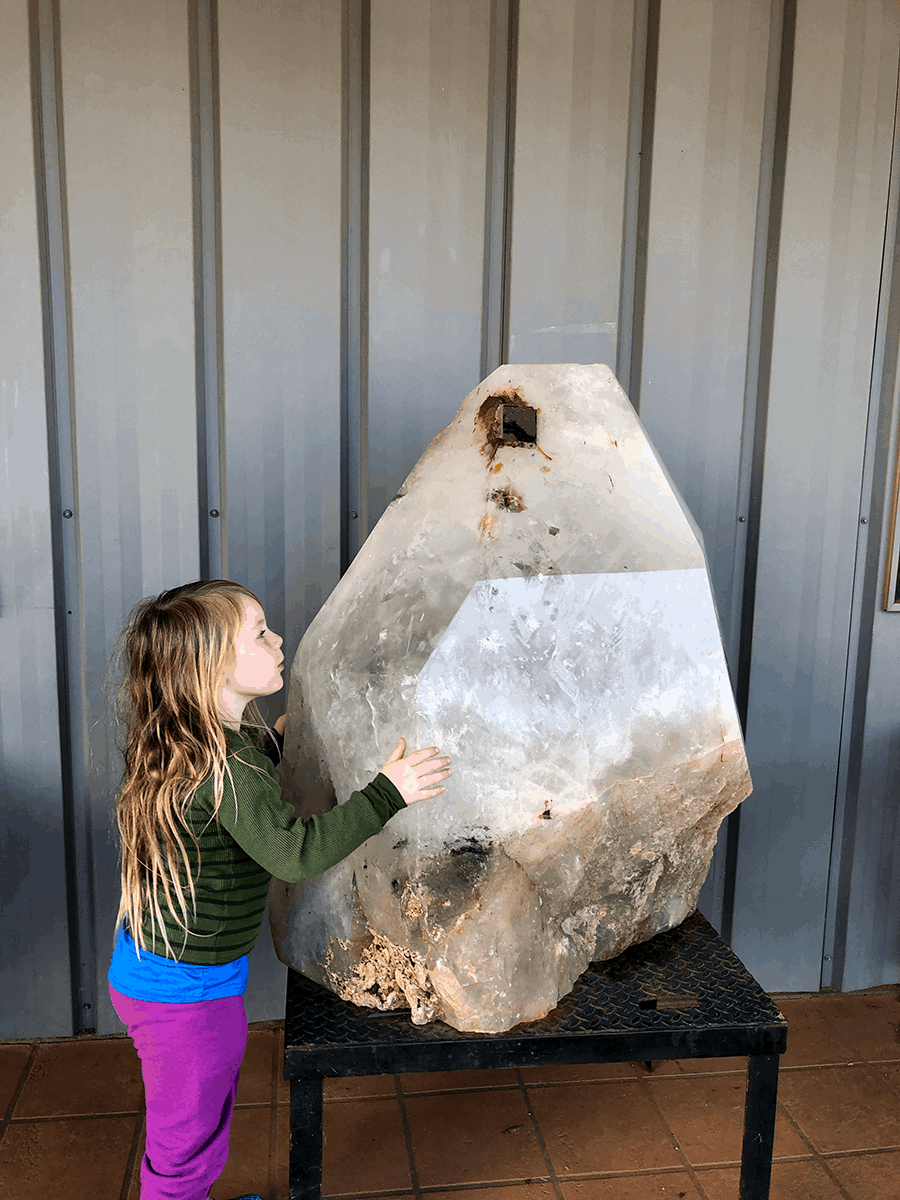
(759, 1126)
(305, 1164)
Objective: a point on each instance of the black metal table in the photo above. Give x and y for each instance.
(683, 994)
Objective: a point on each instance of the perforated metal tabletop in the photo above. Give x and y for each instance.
(683, 994)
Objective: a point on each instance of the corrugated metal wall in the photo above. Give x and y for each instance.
(252, 256)
(833, 203)
(35, 954)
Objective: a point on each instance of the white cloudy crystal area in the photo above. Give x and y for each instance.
(541, 610)
(608, 665)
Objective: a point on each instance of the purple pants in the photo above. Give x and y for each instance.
(190, 1057)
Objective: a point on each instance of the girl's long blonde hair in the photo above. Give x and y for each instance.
(176, 648)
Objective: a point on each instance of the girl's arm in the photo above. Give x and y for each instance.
(415, 776)
(268, 829)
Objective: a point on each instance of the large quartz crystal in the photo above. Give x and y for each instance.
(535, 602)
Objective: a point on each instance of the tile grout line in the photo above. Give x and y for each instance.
(861, 1061)
(82, 1117)
(386, 1195)
(482, 1185)
(688, 1166)
(783, 1108)
(512, 1087)
(132, 1153)
(407, 1137)
(823, 1066)
(840, 1037)
(478, 1186)
(870, 1066)
(508, 1087)
(618, 1081)
(94, 1039)
(554, 1178)
(863, 1058)
(6, 1117)
(830, 1155)
(451, 1091)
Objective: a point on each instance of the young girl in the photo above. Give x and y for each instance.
(203, 829)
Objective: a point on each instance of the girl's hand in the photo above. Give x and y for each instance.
(280, 724)
(416, 776)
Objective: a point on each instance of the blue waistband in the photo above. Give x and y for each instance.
(152, 977)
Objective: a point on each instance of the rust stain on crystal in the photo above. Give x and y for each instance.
(486, 525)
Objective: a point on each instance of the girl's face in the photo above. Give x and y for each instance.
(256, 668)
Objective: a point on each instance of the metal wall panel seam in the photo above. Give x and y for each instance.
(761, 324)
(761, 291)
(357, 20)
(866, 592)
(764, 304)
(636, 214)
(498, 192)
(71, 651)
(208, 315)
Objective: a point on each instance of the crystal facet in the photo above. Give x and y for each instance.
(535, 602)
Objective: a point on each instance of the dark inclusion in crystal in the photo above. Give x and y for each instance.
(518, 425)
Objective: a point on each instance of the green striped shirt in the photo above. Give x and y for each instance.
(258, 835)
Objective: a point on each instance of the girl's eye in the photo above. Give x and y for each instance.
(263, 633)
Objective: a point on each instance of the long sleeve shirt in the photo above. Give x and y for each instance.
(257, 835)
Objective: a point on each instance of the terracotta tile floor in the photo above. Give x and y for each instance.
(71, 1122)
